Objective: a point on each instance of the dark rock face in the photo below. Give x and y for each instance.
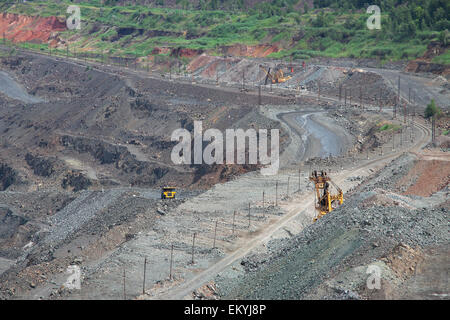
(9, 223)
(41, 166)
(77, 181)
(105, 153)
(7, 176)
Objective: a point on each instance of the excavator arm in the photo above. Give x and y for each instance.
(268, 75)
(325, 200)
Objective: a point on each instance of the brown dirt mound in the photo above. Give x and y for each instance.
(258, 51)
(200, 62)
(162, 50)
(186, 53)
(427, 177)
(424, 63)
(20, 28)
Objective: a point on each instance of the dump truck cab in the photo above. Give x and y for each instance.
(168, 193)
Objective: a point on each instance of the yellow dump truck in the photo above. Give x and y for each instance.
(168, 193)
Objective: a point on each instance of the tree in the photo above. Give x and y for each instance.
(432, 110)
(443, 37)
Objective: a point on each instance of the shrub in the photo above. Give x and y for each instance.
(432, 110)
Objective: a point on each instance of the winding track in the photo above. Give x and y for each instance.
(294, 209)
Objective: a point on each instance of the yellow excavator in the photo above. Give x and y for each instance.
(276, 77)
(326, 202)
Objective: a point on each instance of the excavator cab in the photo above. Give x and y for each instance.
(326, 201)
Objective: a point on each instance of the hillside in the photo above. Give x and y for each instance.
(298, 29)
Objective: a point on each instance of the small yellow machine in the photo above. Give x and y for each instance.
(168, 193)
(326, 202)
(276, 76)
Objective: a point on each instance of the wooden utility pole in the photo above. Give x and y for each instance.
(171, 262)
(288, 186)
(193, 246)
(340, 92)
(381, 94)
(276, 194)
(249, 215)
(398, 99)
(263, 200)
(393, 141)
(433, 128)
(145, 269)
(401, 137)
(234, 220)
(318, 91)
(124, 295)
(360, 98)
(404, 112)
(259, 95)
(215, 235)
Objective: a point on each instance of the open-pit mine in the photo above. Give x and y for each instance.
(92, 205)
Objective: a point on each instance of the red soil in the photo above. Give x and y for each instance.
(186, 52)
(424, 63)
(158, 50)
(199, 62)
(19, 28)
(428, 176)
(258, 51)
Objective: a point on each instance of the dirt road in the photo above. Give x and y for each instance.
(422, 89)
(294, 208)
(312, 134)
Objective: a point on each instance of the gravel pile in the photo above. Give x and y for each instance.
(77, 213)
(351, 236)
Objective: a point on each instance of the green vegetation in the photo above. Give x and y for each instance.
(389, 127)
(443, 58)
(333, 29)
(432, 110)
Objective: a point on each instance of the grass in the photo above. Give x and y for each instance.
(343, 35)
(443, 58)
(389, 127)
